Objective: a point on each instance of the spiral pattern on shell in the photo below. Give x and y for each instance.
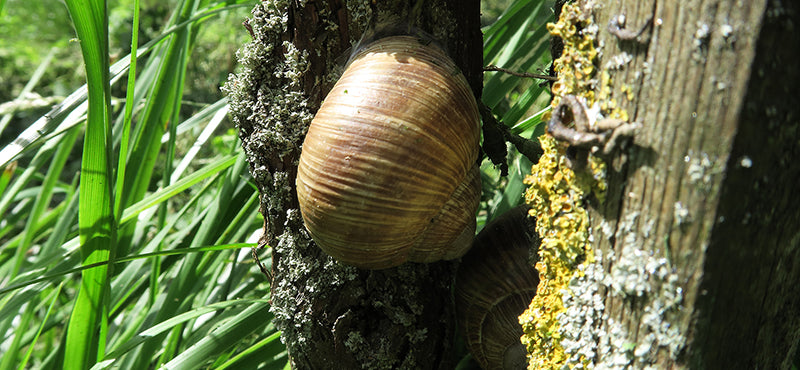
(495, 283)
(388, 171)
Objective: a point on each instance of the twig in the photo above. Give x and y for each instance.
(493, 144)
(529, 148)
(261, 266)
(519, 74)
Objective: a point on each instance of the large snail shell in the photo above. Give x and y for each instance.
(388, 169)
(495, 283)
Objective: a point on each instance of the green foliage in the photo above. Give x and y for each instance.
(27, 28)
(518, 40)
(122, 206)
(127, 261)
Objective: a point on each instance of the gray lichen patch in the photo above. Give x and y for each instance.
(618, 61)
(317, 298)
(700, 42)
(301, 282)
(646, 279)
(360, 12)
(702, 168)
(637, 276)
(662, 296)
(584, 306)
(680, 214)
(269, 109)
(394, 318)
(272, 114)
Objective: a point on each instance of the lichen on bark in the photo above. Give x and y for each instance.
(682, 259)
(556, 196)
(562, 324)
(328, 312)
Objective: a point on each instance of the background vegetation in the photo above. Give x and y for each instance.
(164, 190)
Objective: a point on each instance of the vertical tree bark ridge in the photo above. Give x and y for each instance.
(749, 300)
(331, 315)
(699, 230)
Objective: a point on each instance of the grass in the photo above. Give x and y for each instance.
(131, 261)
(124, 216)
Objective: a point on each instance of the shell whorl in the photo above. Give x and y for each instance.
(388, 169)
(495, 283)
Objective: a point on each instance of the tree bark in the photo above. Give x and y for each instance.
(332, 315)
(700, 229)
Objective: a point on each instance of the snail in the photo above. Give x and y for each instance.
(495, 283)
(388, 169)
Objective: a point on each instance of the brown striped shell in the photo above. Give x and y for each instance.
(388, 169)
(495, 283)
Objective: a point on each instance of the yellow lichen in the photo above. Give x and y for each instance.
(576, 65)
(628, 91)
(608, 105)
(556, 195)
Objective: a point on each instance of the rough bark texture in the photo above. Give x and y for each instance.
(706, 195)
(331, 315)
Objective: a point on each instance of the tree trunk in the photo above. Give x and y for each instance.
(332, 315)
(699, 234)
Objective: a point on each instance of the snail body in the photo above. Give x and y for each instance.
(495, 283)
(388, 170)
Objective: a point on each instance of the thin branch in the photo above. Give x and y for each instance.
(519, 74)
(527, 147)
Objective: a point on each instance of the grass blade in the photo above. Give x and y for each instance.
(95, 217)
(213, 216)
(129, 103)
(27, 356)
(212, 248)
(168, 324)
(226, 335)
(43, 198)
(268, 349)
(182, 184)
(26, 315)
(51, 123)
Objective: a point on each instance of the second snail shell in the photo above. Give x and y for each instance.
(388, 171)
(495, 283)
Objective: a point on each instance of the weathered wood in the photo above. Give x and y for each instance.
(331, 315)
(705, 196)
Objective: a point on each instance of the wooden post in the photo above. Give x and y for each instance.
(698, 238)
